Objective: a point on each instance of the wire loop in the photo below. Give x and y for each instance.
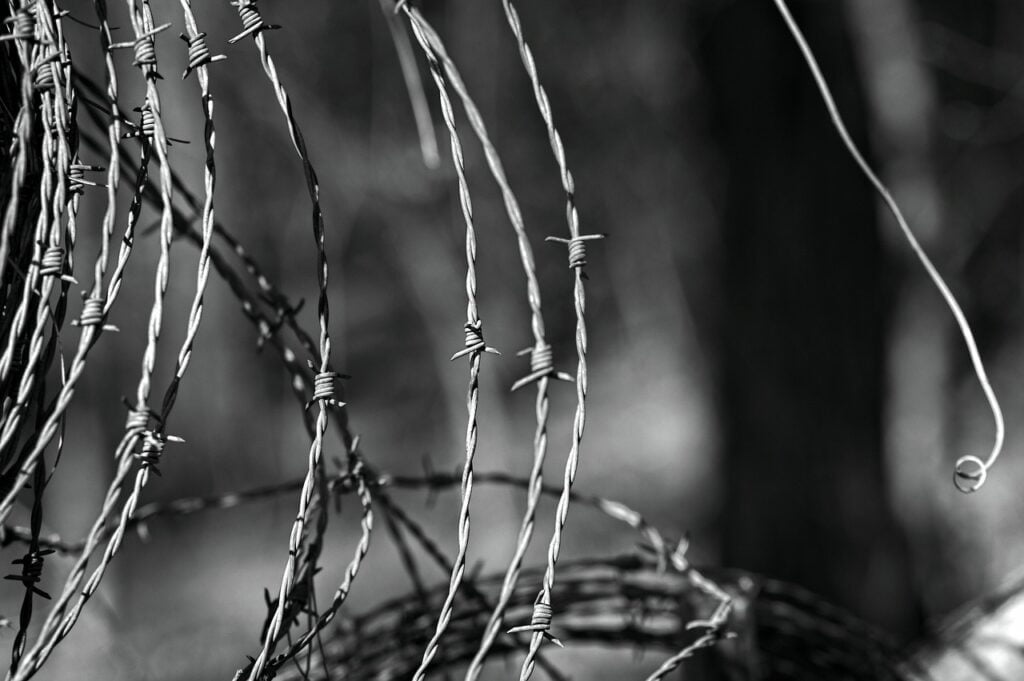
(969, 473)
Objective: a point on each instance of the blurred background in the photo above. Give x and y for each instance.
(772, 372)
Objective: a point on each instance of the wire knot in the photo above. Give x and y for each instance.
(969, 473)
(324, 385)
(43, 79)
(76, 177)
(252, 20)
(144, 48)
(23, 25)
(577, 248)
(51, 264)
(31, 570)
(198, 53)
(153, 444)
(541, 366)
(474, 341)
(145, 129)
(540, 622)
(139, 417)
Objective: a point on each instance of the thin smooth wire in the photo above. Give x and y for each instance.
(890, 202)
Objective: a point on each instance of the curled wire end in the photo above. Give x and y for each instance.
(541, 366)
(969, 474)
(540, 622)
(474, 341)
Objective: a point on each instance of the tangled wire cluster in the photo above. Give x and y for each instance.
(655, 599)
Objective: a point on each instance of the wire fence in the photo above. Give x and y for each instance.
(654, 599)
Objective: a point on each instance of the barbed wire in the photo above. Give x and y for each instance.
(38, 258)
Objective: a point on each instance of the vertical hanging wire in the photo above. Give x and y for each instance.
(60, 620)
(253, 25)
(475, 347)
(970, 471)
(542, 371)
(576, 244)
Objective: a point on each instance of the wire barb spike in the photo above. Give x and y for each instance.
(474, 341)
(540, 621)
(541, 366)
(198, 53)
(252, 20)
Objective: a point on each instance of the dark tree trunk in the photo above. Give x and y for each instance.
(803, 319)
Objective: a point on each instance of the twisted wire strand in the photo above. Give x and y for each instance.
(970, 472)
(472, 323)
(436, 554)
(713, 627)
(195, 315)
(28, 51)
(56, 258)
(246, 9)
(58, 148)
(539, 373)
(50, 634)
(44, 219)
(352, 569)
(56, 202)
(579, 300)
(60, 620)
(600, 595)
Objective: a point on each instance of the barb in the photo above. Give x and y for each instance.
(970, 472)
